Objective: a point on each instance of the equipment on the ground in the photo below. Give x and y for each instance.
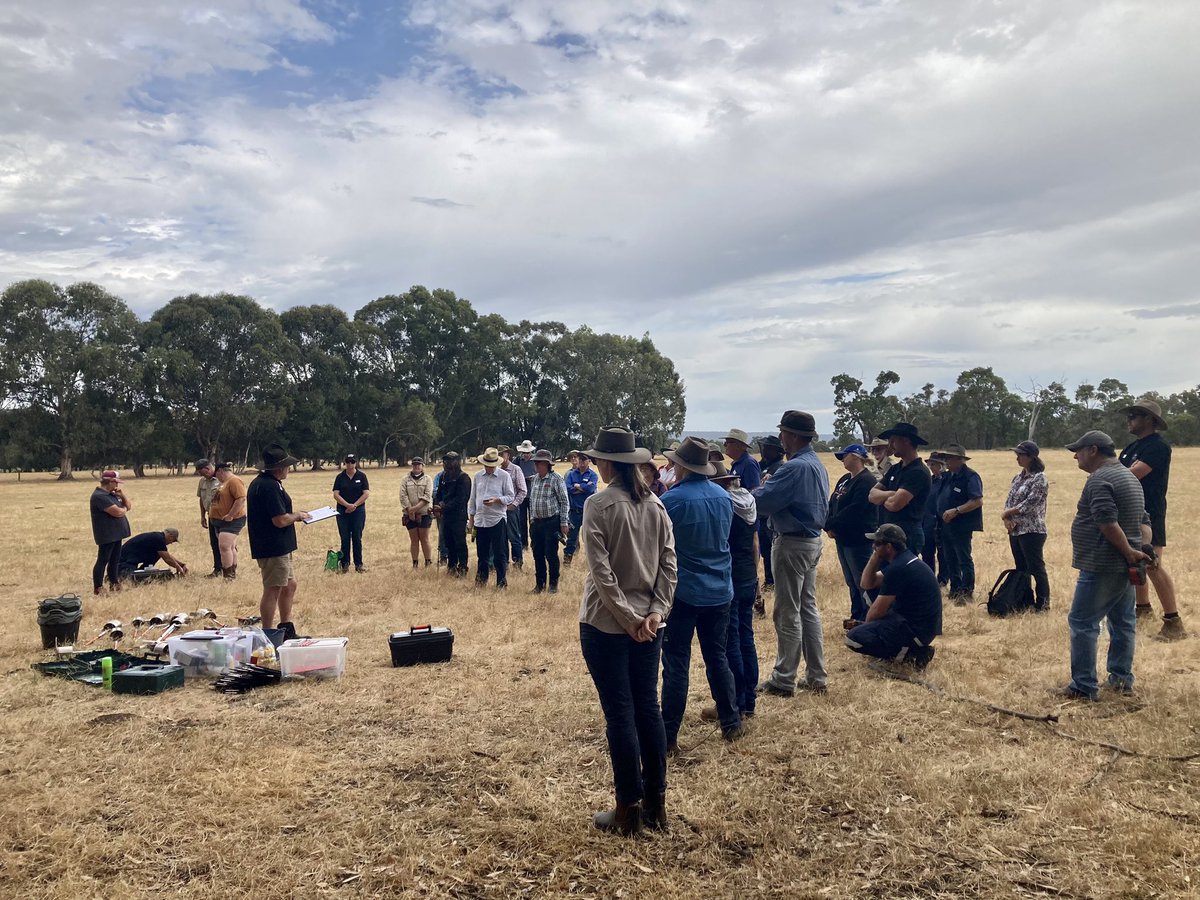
(421, 644)
(1010, 594)
(108, 626)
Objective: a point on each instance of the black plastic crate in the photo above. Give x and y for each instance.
(423, 644)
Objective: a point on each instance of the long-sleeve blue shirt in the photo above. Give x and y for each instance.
(701, 514)
(587, 481)
(796, 498)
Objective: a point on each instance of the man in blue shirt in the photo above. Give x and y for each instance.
(701, 515)
(907, 615)
(743, 465)
(582, 481)
(960, 508)
(796, 500)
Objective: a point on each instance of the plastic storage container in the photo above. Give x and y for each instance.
(203, 654)
(313, 657)
(423, 644)
(147, 679)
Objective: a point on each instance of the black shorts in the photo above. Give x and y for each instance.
(1158, 529)
(425, 522)
(234, 527)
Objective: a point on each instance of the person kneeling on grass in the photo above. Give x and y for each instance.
(907, 615)
(143, 551)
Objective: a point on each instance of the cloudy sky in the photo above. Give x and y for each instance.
(776, 191)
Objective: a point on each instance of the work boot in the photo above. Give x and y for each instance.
(429, 562)
(709, 714)
(537, 589)
(554, 587)
(1144, 610)
(1172, 630)
(734, 734)
(416, 565)
(215, 573)
(654, 810)
(230, 573)
(626, 820)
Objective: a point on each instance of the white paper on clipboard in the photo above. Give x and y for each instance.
(317, 515)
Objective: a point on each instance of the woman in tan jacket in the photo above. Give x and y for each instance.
(627, 595)
(416, 500)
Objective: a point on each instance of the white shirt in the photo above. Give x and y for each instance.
(486, 486)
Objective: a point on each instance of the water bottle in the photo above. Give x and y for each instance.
(106, 672)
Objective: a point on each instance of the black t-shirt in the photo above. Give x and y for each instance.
(741, 548)
(913, 477)
(350, 488)
(106, 528)
(266, 499)
(918, 596)
(143, 549)
(851, 514)
(1156, 453)
(453, 494)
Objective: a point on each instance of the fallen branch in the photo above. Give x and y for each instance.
(1125, 751)
(1187, 818)
(1100, 772)
(933, 688)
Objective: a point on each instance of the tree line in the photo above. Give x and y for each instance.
(86, 383)
(982, 412)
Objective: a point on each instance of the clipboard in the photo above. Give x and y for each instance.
(318, 515)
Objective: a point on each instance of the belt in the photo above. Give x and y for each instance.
(798, 534)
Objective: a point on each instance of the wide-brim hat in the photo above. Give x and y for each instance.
(736, 434)
(618, 445)
(878, 442)
(905, 430)
(1150, 408)
(954, 450)
(693, 456)
(526, 446)
(770, 440)
(722, 475)
(542, 456)
(674, 445)
(798, 423)
(490, 457)
(275, 457)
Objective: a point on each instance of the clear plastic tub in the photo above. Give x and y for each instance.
(313, 657)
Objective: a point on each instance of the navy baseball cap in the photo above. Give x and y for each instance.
(856, 449)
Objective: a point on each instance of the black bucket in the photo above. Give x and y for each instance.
(63, 634)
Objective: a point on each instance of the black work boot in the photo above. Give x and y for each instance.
(654, 811)
(626, 820)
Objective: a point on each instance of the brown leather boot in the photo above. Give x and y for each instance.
(230, 573)
(1172, 630)
(654, 811)
(626, 820)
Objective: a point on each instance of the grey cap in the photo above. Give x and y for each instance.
(1091, 439)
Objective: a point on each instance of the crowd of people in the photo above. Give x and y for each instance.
(673, 554)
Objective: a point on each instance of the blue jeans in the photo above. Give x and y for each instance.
(956, 541)
(854, 558)
(625, 673)
(350, 527)
(1100, 595)
(740, 649)
(575, 516)
(512, 521)
(710, 624)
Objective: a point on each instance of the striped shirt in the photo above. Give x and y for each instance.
(1111, 494)
(548, 497)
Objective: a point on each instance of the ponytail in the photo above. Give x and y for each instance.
(632, 480)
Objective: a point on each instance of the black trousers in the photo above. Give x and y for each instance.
(765, 539)
(1027, 557)
(491, 544)
(525, 522)
(933, 552)
(108, 559)
(215, 545)
(543, 540)
(454, 533)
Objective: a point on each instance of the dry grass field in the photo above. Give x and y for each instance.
(478, 778)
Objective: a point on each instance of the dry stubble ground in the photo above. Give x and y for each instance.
(478, 778)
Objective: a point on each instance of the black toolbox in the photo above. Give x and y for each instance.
(423, 644)
(147, 679)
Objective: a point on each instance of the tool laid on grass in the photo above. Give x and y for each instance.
(108, 626)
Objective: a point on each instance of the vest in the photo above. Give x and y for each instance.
(950, 498)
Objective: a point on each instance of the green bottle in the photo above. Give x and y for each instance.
(106, 671)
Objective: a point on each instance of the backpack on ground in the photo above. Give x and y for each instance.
(1012, 593)
(333, 560)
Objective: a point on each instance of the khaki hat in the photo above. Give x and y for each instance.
(878, 442)
(955, 450)
(722, 475)
(736, 434)
(799, 423)
(693, 456)
(526, 446)
(543, 456)
(618, 445)
(490, 457)
(1148, 407)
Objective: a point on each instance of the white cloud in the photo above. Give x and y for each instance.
(718, 178)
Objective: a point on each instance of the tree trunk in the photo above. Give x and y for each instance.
(66, 470)
(139, 470)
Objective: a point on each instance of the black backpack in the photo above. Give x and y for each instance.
(1010, 594)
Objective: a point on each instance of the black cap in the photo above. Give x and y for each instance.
(350, 458)
(224, 465)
